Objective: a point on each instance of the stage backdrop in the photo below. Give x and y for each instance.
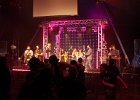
(70, 34)
(71, 40)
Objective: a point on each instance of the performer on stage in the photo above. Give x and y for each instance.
(66, 56)
(114, 54)
(104, 58)
(48, 51)
(28, 54)
(38, 53)
(63, 55)
(89, 57)
(80, 54)
(74, 54)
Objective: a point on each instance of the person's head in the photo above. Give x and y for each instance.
(49, 44)
(34, 63)
(88, 46)
(37, 47)
(112, 62)
(62, 49)
(113, 47)
(80, 50)
(28, 47)
(53, 60)
(80, 60)
(73, 62)
(103, 68)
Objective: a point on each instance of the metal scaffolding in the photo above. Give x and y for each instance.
(76, 25)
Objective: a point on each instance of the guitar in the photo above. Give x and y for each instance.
(115, 57)
(65, 56)
(37, 55)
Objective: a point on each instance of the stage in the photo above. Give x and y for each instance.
(26, 68)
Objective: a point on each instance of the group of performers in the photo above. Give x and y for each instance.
(28, 54)
(63, 55)
(38, 53)
(76, 54)
(66, 56)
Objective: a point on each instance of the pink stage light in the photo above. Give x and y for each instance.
(51, 28)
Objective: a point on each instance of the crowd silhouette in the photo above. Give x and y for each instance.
(5, 79)
(54, 80)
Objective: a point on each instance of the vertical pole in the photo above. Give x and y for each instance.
(98, 50)
(101, 41)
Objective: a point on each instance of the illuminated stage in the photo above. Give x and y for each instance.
(70, 34)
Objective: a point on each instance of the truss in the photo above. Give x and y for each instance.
(73, 25)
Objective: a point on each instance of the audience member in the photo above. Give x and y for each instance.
(81, 70)
(109, 76)
(39, 84)
(5, 80)
(78, 82)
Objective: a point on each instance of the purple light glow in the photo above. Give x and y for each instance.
(51, 28)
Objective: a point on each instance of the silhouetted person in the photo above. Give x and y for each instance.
(108, 81)
(46, 61)
(112, 67)
(56, 73)
(81, 70)
(55, 68)
(5, 80)
(38, 85)
(76, 78)
(109, 77)
(114, 70)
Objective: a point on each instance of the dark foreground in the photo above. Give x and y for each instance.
(93, 84)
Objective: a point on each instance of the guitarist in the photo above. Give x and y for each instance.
(114, 54)
(38, 53)
(27, 55)
(48, 50)
(63, 56)
(74, 54)
(89, 57)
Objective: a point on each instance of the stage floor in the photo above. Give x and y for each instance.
(26, 68)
